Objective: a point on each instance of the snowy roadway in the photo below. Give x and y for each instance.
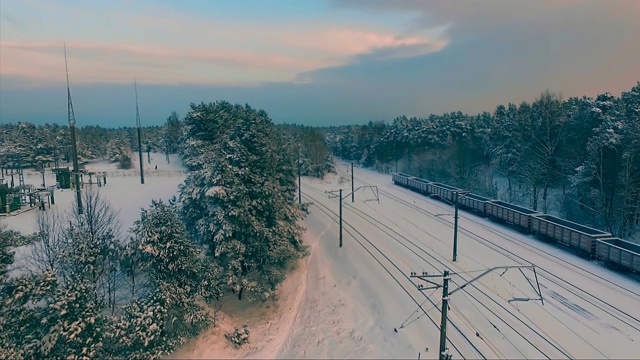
(356, 295)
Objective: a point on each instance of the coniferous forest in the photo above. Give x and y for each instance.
(577, 157)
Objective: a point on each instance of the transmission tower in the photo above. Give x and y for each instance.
(72, 129)
(139, 135)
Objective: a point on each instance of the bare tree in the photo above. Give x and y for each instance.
(49, 241)
(94, 248)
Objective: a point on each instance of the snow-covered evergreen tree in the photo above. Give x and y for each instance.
(239, 199)
(172, 261)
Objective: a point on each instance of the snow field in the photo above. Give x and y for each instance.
(125, 193)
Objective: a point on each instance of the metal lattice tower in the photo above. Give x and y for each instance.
(139, 135)
(72, 130)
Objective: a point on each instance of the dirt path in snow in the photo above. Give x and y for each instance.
(329, 323)
(270, 325)
(313, 317)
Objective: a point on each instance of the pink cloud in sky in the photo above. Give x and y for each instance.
(291, 53)
(168, 46)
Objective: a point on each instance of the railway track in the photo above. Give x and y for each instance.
(332, 214)
(423, 255)
(581, 293)
(546, 274)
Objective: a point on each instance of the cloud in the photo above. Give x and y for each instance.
(400, 51)
(579, 47)
(117, 62)
(168, 46)
(487, 15)
(350, 65)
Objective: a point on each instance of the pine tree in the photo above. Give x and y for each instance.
(239, 197)
(178, 278)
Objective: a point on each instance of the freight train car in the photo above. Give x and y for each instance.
(401, 179)
(621, 253)
(568, 233)
(421, 185)
(511, 214)
(593, 242)
(474, 202)
(443, 191)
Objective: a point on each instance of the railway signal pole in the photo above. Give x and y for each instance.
(444, 352)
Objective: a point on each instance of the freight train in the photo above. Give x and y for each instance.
(591, 242)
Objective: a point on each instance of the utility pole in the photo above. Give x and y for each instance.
(72, 129)
(352, 191)
(166, 144)
(456, 195)
(444, 355)
(299, 181)
(333, 194)
(443, 319)
(455, 227)
(341, 217)
(139, 135)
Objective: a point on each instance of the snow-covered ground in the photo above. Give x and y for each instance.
(123, 190)
(346, 302)
(355, 296)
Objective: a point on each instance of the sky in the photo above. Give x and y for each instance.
(312, 62)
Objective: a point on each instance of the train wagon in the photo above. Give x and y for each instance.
(401, 179)
(512, 214)
(442, 190)
(414, 184)
(621, 253)
(474, 202)
(421, 185)
(568, 233)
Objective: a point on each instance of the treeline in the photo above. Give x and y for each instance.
(579, 157)
(91, 291)
(315, 156)
(42, 145)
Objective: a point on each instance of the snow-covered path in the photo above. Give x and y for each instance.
(358, 294)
